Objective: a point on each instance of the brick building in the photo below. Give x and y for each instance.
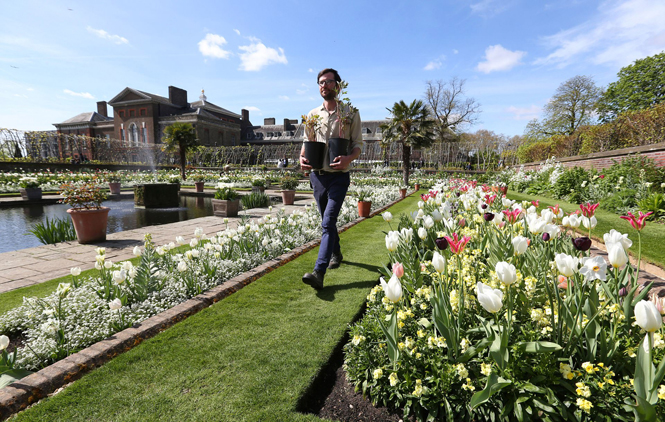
(139, 118)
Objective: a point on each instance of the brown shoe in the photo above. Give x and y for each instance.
(314, 279)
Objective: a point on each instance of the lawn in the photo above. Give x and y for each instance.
(249, 357)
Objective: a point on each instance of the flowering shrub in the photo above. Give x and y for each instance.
(86, 196)
(494, 312)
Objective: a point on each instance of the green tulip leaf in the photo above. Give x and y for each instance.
(12, 375)
(538, 347)
(494, 384)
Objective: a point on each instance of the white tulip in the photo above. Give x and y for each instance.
(180, 240)
(198, 232)
(108, 265)
(489, 298)
(100, 251)
(115, 304)
(407, 235)
(547, 215)
(76, 271)
(392, 240)
(63, 289)
(615, 237)
(535, 224)
(439, 262)
(136, 251)
(520, 244)
(119, 276)
(392, 289)
(436, 215)
(182, 267)
(428, 222)
(507, 203)
(193, 243)
(421, 204)
(422, 233)
(387, 216)
(4, 342)
(552, 229)
(566, 264)
(617, 255)
(506, 272)
(574, 221)
(647, 316)
(589, 223)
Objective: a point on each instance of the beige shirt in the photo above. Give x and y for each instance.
(329, 128)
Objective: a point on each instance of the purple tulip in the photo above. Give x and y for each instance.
(546, 236)
(484, 206)
(623, 292)
(582, 243)
(441, 243)
(488, 216)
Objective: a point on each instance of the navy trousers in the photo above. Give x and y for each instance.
(329, 192)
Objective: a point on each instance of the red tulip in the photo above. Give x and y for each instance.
(638, 223)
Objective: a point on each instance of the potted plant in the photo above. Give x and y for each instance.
(226, 202)
(258, 185)
(402, 192)
(115, 182)
(30, 188)
(199, 181)
(90, 219)
(345, 112)
(364, 203)
(288, 185)
(416, 186)
(313, 150)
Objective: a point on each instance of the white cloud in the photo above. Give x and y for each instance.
(284, 97)
(236, 31)
(498, 58)
(455, 51)
(620, 33)
(311, 70)
(211, 46)
(117, 39)
(254, 109)
(435, 64)
(30, 89)
(257, 55)
(489, 7)
(524, 113)
(79, 94)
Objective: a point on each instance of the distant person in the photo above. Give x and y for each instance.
(332, 182)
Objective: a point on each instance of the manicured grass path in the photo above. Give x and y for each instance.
(247, 358)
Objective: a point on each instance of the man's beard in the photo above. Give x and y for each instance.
(329, 96)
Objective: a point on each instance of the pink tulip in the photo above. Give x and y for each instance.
(398, 269)
(638, 223)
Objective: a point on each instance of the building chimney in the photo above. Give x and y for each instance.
(244, 123)
(269, 121)
(101, 108)
(287, 124)
(178, 96)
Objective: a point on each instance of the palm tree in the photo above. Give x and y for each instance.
(183, 137)
(412, 126)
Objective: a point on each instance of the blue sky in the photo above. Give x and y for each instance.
(58, 58)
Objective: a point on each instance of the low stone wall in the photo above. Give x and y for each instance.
(603, 160)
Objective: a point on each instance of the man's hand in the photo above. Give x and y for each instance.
(341, 162)
(304, 163)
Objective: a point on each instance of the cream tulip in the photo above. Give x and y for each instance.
(506, 272)
(392, 289)
(439, 262)
(617, 255)
(489, 298)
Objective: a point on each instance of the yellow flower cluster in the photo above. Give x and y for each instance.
(589, 368)
(582, 389)
(584, 404)
(378, 373)
(418, 391)
(433, 342)
(661, 392)
(462, 371)
(357, 339)
(486, 369)
(393, 379)
(468, 386)
(566, 371)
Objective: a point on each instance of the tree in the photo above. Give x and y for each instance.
(181, 136)
(486, 145)
(447, 103)
(640, 85)
(412, 126)
(572, 106)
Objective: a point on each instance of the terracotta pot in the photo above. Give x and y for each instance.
(114, 187)
(288, 197)
(402, 193)
(31, 194)
(504, 190)
(416, 186)
(314, 153)
(199, 186)
(90, 225)
(225, 207)
(364, 208)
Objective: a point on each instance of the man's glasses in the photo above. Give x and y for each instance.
(326, 82)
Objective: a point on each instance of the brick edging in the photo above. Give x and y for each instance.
(29, 390)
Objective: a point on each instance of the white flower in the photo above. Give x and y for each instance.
(506, 272)
(439, 262)
(422, 233)
(4, 342)
(76, 271)
(421, 204)
(647, 316)
(428, 222)
(617, 255)
(136, 251)
(436, 215)
(535, 224)
(489, 298)
(63, 289)
(182, 266)
(180, 240)
(119, 276)
(392, 289)
(193, 243)
(407, 235)
(198, 232)
(392, 240)
(566, 264)
(520, 244)
(574, 221)
(387, 216)
(615, 237)
(108, 265)
(589, 223)
(552, 229)
(593, 268)
(115, 304)
(100, 251)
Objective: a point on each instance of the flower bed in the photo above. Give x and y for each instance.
(493, 312)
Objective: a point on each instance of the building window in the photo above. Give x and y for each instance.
(122, 135)
(143, 112)
(133, 135)
(145, 135)
(121, 113)
(132, 113)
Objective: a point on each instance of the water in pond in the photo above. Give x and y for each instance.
(15, 222)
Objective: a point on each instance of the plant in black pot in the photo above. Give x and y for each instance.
(314, 151)
(338, 146)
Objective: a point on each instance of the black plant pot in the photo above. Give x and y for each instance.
(314, 153)
(337, 147)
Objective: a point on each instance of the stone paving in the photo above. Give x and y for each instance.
(30, 266)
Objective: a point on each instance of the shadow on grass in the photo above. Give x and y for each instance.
(368, 267)
(328, 292)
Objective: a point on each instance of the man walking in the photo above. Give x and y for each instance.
(332, 182)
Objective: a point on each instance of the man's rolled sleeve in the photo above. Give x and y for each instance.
(356, 136)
